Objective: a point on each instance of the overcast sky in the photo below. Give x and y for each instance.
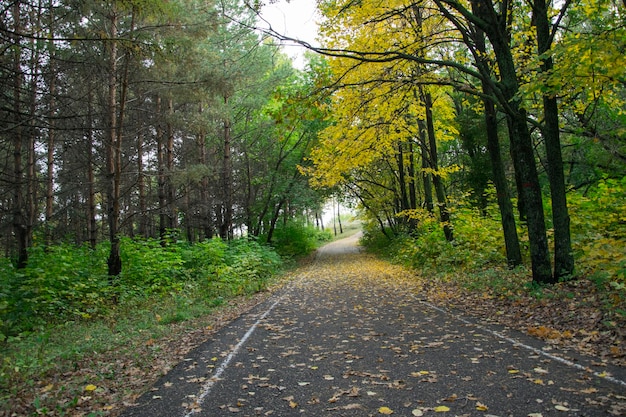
(296, 19)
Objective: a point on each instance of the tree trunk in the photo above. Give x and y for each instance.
(339, 218)
(114, 261)
(563, 256)
(426, 177)
(507, 218)
(205, 203)
(227, 181)
(412, 186)
(444, 214)
(161, 176)
(91, 181)
(169, 159)
(50, 146)
(141, 188)
(497, 30)
(19, 218)
(404, 196)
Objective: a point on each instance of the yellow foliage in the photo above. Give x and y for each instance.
(378, 105)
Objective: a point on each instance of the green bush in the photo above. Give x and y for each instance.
(478, 244)
(63, 282)
(247, 268)
(296, 240)
(150, 267)
(68, 283)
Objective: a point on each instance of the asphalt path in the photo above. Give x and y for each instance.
(351, 336)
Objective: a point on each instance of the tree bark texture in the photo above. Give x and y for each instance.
(563, 256)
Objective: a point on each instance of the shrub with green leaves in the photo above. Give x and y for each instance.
(599, 229)
(68, 283)
(295, 240)
(149, 266)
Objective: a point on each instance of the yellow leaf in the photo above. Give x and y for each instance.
(513, 371)
(90, 387)
(385, 410)
(481, 407)
(293, 404)
(441, 409)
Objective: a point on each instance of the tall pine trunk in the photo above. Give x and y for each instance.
(141, 188)
(169, 160)
(227, 180)
(92, 226)
(161, 173)
(114, 261)
(49, 210)
(20, 228)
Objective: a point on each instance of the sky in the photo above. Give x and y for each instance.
(296, 19)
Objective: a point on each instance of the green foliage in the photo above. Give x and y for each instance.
(68, 283)
(247, 268)
(150, 266)
(60, 283)
(599, 229)
(476, 259)
(296, 240)
(478, 244)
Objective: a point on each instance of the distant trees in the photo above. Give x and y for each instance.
(518, 59)
(145, 119)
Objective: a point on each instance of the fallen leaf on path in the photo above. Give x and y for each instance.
(481, 407)
(385, 410)
(442, 409)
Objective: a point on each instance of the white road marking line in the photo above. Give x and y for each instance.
(527, 347)
(206, 388)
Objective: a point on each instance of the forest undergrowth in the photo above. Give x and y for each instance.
(73, 343)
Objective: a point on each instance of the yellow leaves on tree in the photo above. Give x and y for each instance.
(376, 106)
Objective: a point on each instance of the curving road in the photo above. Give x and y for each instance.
(350, 336)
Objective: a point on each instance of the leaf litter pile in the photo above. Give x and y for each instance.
(351, 337)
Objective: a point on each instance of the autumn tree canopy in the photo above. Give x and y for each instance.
(540, 77)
